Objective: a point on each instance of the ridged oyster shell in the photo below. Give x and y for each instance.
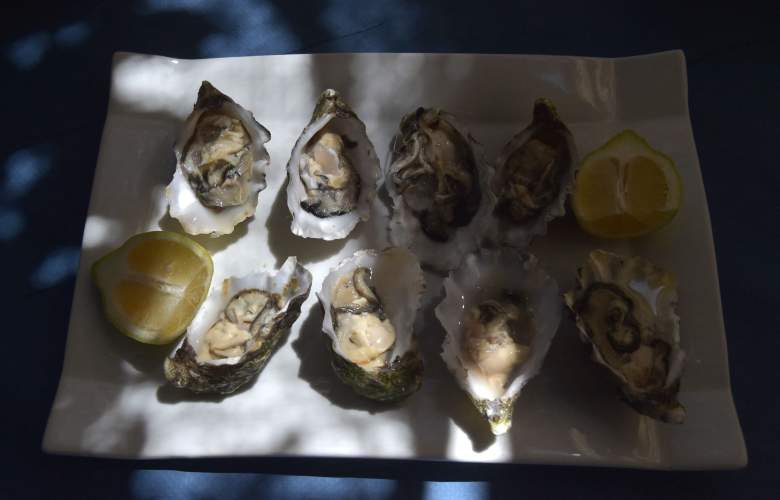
(373, 346)
(340, 194)
(534, 174)
(440, 187)
(625, 307)
(494, 355)
(212, 197)
(238, 328)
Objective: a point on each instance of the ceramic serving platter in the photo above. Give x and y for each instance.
(113, 399)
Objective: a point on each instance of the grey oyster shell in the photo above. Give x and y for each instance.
(534, 174)
(625, 308)
(186, 368)
(439, 183)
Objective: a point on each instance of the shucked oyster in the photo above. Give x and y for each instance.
(534, 174)
(332, 172)
(220, 165)
(237, 329)
(625, 308)
(370, 301)
(439, 184)
(500, 312)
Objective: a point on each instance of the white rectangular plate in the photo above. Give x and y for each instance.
(112, 399)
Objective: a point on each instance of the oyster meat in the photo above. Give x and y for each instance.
(220, 165)
(332, 172)
(439, 184)
(500, 313)
(238, 328)
(370, 301)
(625, 308)
(534, 174)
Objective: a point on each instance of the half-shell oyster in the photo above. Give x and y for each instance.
(625, 308)
(220, 165)
(500, 312)
(332, 172)
(237, 329)
(370, 301)
(439, 184)
(534, 174)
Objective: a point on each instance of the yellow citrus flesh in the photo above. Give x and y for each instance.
(626, 189)
(153, 285)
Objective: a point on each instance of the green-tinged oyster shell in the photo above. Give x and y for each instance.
(191, 367)
(392, 382)
(370, 301)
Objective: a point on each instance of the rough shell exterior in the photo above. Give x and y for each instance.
(656, 291)
(224, 376)
(502, 231)
(405, 229)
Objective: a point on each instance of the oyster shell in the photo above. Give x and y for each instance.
(370, 301)
(220, 165)
(500, 311)
(332, 172)
(625, 308)
(237, 329)
(439, 184)
(534, 174)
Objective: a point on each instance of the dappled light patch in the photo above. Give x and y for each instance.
(23, 169)
(26, 52)
(56, 267)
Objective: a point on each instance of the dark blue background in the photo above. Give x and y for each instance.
(55, 68)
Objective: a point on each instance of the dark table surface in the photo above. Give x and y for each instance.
(56, 62)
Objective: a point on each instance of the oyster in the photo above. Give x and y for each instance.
(370, 301)
(500, 312)
(439, 184)
(625, 308)
(534, 174)
(332, 172)
(220, 165)
(237, 329)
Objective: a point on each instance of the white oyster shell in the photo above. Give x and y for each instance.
(332, 113)
(507, 232)
(405, 228)
(183, 203)
(483, 276)
(399, 284)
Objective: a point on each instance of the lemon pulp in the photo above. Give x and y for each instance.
(626, 189)
(153, 285)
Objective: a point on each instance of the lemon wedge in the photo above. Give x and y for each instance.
(152, 286)
(626, 189)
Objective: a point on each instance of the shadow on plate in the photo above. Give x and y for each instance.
(213, 245)
(283, 243)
